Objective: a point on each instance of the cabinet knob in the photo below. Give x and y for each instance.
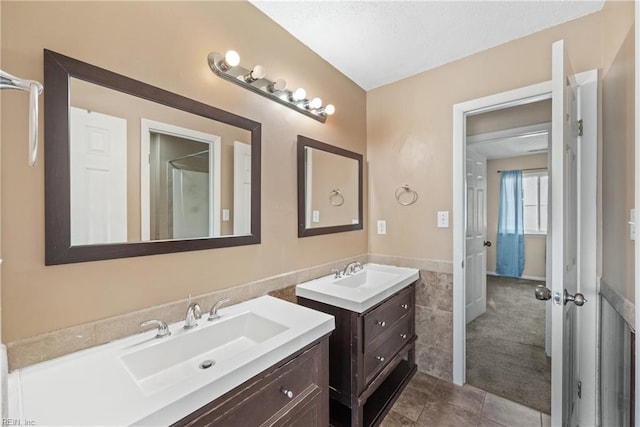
(286, 392)
(403, 336)
(405, 306)
(380, 358)
(382, 323)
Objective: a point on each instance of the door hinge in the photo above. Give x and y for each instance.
(462, 264)
(579, 389)
(580, 127)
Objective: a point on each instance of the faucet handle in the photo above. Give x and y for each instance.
(163, 329)
(213, 314)
(336, 273)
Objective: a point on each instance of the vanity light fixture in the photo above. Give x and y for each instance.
(255, 79)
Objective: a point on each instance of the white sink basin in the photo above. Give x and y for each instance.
(359, 291)
(141, 380)
(172, 360)
(369, 278)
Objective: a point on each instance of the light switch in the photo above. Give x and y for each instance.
(632, 224)
(443, 219)
(315, 216)
(225, 214)
(382, 227)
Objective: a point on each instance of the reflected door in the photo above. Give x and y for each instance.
(98, 150)
(241, 188)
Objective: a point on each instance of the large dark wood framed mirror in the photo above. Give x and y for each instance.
(133, 170)
(329, 188)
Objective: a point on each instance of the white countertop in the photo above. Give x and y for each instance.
(359, 291)
(93, 387)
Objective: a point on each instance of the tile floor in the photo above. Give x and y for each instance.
(428, 401)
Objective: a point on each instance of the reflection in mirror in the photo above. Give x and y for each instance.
(134, 170)
(329, 188)
(141, 171)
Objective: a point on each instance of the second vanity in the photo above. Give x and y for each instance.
(263, 361)
(372, 350)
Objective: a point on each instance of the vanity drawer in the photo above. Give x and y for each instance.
(390, 343)
(265, 401)
(385, 316)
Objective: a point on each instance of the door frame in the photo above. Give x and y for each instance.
(637, 205)
(511, 98)
(215, 161)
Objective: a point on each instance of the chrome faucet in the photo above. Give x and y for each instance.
(163, 329)
(351, 268)
(213, 314)
(194, 313)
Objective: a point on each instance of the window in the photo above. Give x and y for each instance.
(534, 189)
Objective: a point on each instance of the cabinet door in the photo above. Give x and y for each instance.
(309, 412)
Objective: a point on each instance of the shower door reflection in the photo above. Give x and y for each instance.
(184, 186)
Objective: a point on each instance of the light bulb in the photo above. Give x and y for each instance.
(315, 103)
(231, 59)
(277, 86)
(329, 109)
(299, 94)
(257, 73)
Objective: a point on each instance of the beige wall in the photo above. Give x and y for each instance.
(116, 36)
(618, 146)
(410, 130)
(534, 246)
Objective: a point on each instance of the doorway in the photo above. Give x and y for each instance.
(505, 325)
(586, 321)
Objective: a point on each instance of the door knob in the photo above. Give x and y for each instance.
(487, 243)
(542, 293)
(578, 299)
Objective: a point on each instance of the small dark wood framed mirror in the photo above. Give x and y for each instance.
(133, 170)
(329, 188)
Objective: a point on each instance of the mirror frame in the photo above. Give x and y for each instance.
(304, 142)
(58, 69)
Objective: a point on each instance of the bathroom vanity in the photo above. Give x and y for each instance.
(264, 360)
(294, 392)
(372, 350)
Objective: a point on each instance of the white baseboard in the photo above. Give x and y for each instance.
(524, 276)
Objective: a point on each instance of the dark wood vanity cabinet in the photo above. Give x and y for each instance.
(371, 357)
(294, 392)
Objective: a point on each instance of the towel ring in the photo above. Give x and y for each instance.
(336, 198)
(406, 189)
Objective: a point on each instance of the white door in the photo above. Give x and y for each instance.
(476, 236)
(564, 240)
(241, 188)
(98, 178)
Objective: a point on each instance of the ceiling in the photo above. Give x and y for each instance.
(515, 146)
(375, 43)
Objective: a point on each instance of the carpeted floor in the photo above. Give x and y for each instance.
(505, 345)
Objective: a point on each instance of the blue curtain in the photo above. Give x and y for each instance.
(510, 250)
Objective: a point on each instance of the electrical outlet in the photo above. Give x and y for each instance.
(225, 214)
(315, 216)
(382, 227)
(443, 219)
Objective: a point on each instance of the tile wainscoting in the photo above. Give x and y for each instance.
(434, 315)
